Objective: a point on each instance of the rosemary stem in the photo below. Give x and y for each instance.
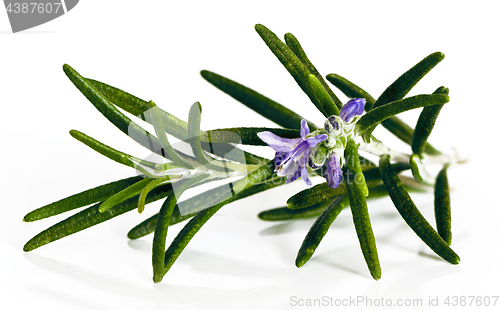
(377, 148)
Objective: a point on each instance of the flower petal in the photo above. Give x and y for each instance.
(313, 141)
(304, 157)
(305, 176)
(278, 143)
(333, 173)
(304, 129)
(278, 158)
(352, 108)
(294, 172)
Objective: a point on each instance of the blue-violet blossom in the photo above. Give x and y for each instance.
(339, 130)
(292, 154)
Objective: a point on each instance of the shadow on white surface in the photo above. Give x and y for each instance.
(123, 294)
(89, 279)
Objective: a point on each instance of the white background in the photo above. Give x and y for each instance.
(155, 50)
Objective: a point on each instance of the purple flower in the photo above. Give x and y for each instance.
(338, 129)
(333, 173)
(292, 154)
(352, 108)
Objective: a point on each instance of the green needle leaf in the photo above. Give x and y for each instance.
(294, 45)
(82, 199)
(371, 119)
(292, 64)
(324, 99)
(194, 138)
(373, 174)
(350, 89)
(149, 187)
(285, 213)
(319, 230)
(264, 106)
(314, 195)
(425, 123)
(410, 78)
(411, 214)
(162, 136)
(194, 225)
(90, 217)
(124, 100)
(194, 121)
(116, 117)
(137, 106)
(145, 227)
(123, 195)
(442, 208)
(163, 222)
(357, 191)
(417, 170)
(113, 154)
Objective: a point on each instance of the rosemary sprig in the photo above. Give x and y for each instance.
(303, 150)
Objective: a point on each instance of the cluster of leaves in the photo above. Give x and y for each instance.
(363, 179)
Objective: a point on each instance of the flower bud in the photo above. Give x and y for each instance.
(333, 125)
(318, 156)
(352, 108)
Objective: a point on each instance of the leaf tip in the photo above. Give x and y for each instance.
(289, 36)
(299, 262)
(130, 235)
(28, 247)
(376, 273)
(67, 69)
